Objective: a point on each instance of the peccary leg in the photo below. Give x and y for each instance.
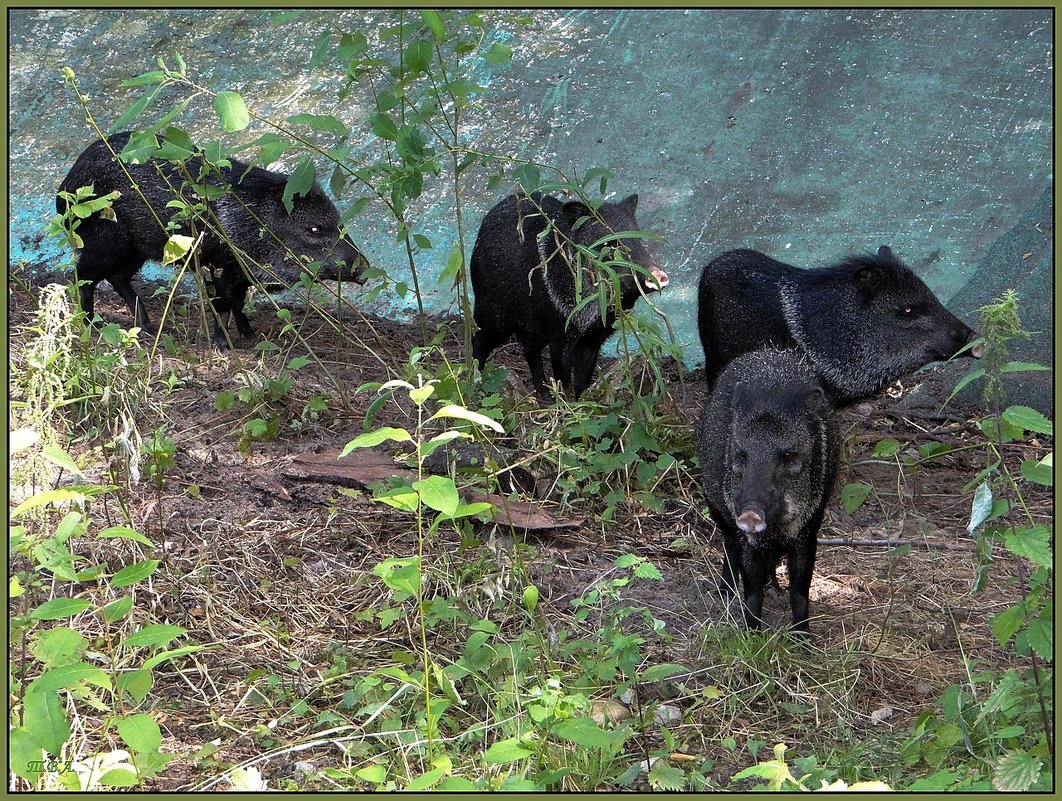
(124, 287)
(559, 358)
(754, 573)
(222, 306)
(801, 567)
(87, 293)
(238, 297)
(583, 361)
(483, 344)
(533, 354)
(731, 556)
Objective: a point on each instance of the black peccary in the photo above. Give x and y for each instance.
(768, 446)
(268, 245)
(863, 323)
(524, 278)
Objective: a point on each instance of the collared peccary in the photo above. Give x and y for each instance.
(768, 446)
(264, 243)
(524, 275)
(863, 323)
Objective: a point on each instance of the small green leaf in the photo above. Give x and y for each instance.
(886, 449)
(1039, 472)
(1033, 543)
(45, 719)
(300, 182)
(60, 458)
(116, 610)
(155, 635)
(452, 410)
(439, 493)
(141, 733)
(505, 751)
(60, 678)
(232, 111)
(418, 56)
(531, 597)
(1028, 419)
(375, 437)
(402, 498)
(176, 248)
(383, 126)
(1005, 624)
(584, 732)
(434, 23)
(59, 608)
(59, 646)
(499, 54)
(125, 533)
(119, 777)
(374, 774)
(1016, 772)
(320, 122)
(853, 495)
(136, 683)
(25, 756)
(134, 573)
(420, 394)
(400, 574)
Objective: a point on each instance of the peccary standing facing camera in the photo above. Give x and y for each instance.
(524, 274)
(768, 446)
(863, 323)
(248, 233)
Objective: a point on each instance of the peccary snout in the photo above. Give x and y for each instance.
(751, 520)
(347, 263)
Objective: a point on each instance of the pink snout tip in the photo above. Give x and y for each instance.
(751, 522)
(659, 279)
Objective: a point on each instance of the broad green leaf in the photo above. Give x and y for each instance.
(505, 751)
(135, 110)
(528, 176)
(176, 248)
(660, 672)
(116, 610)
(1039, 472)
(531, 597)
(1016, 772)
(165, 656)
(176, 145)
(1034, 543)
(982, 507)
(425, 780)
(55, 496)
(44, 718)
(669, 778)
(452, 410)
(119, 777)
(886, 448)
(439, 493)
(60, 458)
(299, 182)
(584, 732)
(472, 509)
(145, 79)
(134, 573)
(383, 126)
(25, 756)
(60, 678)
(403, 498)
(418, 56)
(420, 394)
(371, 438)
(232, 111)
(1005, 624)
(155, 635)
(125, 533)
(140, 732)
(400, 574)
(136, 683)
(320, 122)
(853, 495)
(374, 774)
(1041, 638)
(434, 23)
(456, 784)
(59, 608)
(141, 146)
(1028, 419)
(499, 54)
(59, 646)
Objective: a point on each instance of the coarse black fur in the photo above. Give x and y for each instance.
(768, 446)
(863, 322)
(248, 234)
(524, 279)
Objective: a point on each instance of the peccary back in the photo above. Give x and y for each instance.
(248, 232)
(525, 272)
(863, 323)
(768, 447)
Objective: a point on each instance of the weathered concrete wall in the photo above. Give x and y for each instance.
(808, 134)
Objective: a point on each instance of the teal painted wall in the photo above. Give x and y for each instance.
(808, 134)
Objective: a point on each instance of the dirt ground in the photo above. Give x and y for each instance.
(279, 568)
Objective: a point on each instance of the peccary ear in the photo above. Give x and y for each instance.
(630, 204)
(885, 252)
(571, 212)
(815, 401)
(867, 278)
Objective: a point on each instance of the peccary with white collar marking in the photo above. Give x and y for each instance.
(524, 275)
(248, 233)
(863, 323)
(768, 446)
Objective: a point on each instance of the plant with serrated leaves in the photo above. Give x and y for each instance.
(777, 776)
(1005, 722)
(82, 647)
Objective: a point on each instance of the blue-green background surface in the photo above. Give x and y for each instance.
(808, 134)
